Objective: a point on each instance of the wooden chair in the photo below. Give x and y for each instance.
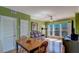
(42, 48)
(22, 38)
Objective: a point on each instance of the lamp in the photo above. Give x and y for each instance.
(42, 28)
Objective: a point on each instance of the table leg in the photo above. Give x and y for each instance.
(16, 47)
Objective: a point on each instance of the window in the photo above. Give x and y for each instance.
(59, 29)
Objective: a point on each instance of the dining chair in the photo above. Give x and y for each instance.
(22, 38)
(42, 48)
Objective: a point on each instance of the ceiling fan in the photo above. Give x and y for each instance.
(50, 18)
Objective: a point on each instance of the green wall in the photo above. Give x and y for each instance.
(40, 24)
(18, 15)
(77, 22)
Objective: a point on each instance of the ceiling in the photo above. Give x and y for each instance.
(44, 13)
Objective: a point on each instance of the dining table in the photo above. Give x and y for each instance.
(30, 44)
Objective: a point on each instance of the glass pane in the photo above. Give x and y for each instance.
(57, 33)
(64, 29)
(64, 33)
(57, 29)
(64, 26)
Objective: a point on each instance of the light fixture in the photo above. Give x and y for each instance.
(50, 18)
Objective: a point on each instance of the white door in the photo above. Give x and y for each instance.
(24, 28)
(8, 33)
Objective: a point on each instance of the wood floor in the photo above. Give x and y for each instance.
(19, 51)
(14, 51)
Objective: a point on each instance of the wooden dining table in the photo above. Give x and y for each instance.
(30, 45)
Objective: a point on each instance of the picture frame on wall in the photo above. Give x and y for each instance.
(34, 26)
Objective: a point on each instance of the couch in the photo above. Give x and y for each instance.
(36, 34)
(71, 46)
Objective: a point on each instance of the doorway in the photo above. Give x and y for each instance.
(8, 33)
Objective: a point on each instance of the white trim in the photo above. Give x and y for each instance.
(53, 30)
(61, 30)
